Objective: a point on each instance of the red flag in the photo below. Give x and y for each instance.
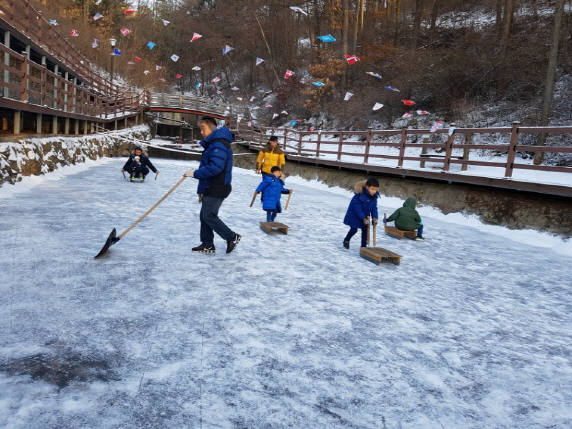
(137, 59)
(408, 102)
(178, 76)
(129, 10)
(288, 74)
(352, 59)
(74, 33)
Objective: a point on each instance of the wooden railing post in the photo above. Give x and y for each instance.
(318, 143)
(466, 151)
(424, 149)
(340, 145)
(285, 138)
(402, 147)
(511, 155)
(367, 143)
(299, 143)
(449, 148)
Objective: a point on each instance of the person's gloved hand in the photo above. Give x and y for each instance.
(190, 173)
(366, 221)
(374, 221)
(384, 220)
(256, 192)
(290, 191)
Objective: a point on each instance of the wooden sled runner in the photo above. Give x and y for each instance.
(378, 254)
(274, 227)
(397, 233)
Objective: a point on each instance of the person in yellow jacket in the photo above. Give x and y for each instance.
(269, 157)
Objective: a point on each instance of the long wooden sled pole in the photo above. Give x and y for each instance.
(287, 201)
(253, 199)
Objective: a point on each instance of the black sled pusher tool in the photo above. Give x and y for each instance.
(113, 238)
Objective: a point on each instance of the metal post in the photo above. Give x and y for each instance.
(54, 124)
(66, 126)
(76, 126)
(39, 120)
(85, 127)
(17, 122)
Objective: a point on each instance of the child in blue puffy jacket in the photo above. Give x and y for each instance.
(362, 210)
(272, 188)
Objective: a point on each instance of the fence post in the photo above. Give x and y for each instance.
(424, 149)
(466, 151)
(318, 143)
(511, 155)
(449, 148)
(285, 138)
(402, 147)
(367, 143)
(340, 144)
(299, 143)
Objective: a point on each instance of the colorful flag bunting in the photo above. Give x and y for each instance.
(234, 88)
(196, 68)
(137, 59)
(348, 96)
(165, 22)
(178, 76)
(125, 31)
(146, 72)
(226, 50)
(422, 112)
(239, 98)
(274, 116)
(408, 102)
(374, 74)
(53, 22)
(74, 33)
(215, 80)
(162, 79)
(352, 59)
(97, 16)
(284, 112)
(392, 88)
(252, 98)
(268, 105)
(151, 45)
(259, 61)
(198, 85)
(129, 10)
(158, 68)
(130, 63)
(407, 115)
(318, 83)
(95, 43)
(436, 126)
(377, 106)
(327, 38)
(97, 2)
(196, 36)
(175, 57)
(116, 51)
(292, 122)
(297, 10)
(288, 74)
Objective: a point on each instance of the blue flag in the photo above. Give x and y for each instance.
(327, 38)
(150, 45)
(116, 51)
(318, 83)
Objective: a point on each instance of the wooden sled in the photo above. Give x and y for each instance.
(274, 227)
(397, 233)
(378, 254)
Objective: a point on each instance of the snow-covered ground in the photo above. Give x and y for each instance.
(472, 330)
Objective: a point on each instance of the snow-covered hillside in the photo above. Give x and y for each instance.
(472, 330)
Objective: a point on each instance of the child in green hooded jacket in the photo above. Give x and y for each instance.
(407, 219)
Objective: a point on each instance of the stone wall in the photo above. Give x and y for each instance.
(512, 209)
(26, 156)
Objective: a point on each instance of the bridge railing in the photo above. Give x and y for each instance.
(396, 147)
(187, 102)
(23, 18)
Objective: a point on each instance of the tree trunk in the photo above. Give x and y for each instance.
(550, 75)
(506, 24)
(433, 29)
(418, 15)
(345, 39)
(397, 14)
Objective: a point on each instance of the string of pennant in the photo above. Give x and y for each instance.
(351, 59)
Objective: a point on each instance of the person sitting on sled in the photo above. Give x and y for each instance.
(363, 207)
(407, 218)
(145, 165)
(272, 186)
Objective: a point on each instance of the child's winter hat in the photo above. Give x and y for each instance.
(273, 139)
(274, 168)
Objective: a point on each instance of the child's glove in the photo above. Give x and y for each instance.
(366, 221)
(374, 221)
(190, 173)
(384, 220)
(256, 192)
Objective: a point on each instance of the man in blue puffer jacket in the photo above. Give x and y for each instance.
(215, 177)
(362, 210)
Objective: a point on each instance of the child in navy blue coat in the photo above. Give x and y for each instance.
(362, 210)
(272, 188)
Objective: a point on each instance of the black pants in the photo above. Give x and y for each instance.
(353, 232)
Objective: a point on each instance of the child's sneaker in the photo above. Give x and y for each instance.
(419, 238)
(203, 249)
(231, 244)
(132, 179)
(346, 244)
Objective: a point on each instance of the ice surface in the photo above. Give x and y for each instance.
(472, 330)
